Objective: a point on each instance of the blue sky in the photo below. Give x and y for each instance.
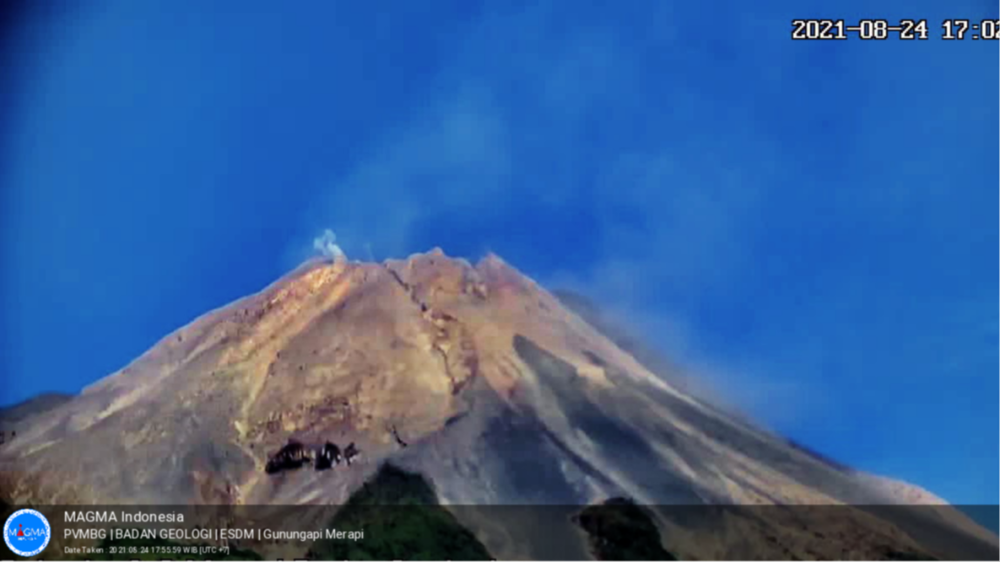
(807, 226)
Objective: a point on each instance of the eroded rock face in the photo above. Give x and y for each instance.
(472, 375)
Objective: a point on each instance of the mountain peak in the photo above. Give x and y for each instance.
(468, 375)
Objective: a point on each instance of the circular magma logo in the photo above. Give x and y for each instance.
(27, 532)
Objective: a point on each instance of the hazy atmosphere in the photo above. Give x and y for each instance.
(806, 226)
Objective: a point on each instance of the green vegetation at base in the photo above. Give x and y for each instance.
(401, 520)
(162, 549)
(619, 529)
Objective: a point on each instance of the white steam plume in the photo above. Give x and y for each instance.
(326, 244)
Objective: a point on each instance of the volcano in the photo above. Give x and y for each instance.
(477, 379)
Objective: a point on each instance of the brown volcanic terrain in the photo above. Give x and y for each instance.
(501, 394)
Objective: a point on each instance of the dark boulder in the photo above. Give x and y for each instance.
(290, 457)
(350, 453)
(328, 456)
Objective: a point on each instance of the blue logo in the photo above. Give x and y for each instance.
(27, 532)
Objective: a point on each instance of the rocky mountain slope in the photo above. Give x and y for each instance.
(474, 377)
(13, 416)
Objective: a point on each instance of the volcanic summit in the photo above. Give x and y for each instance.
(475, 377)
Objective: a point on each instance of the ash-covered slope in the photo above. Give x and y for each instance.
(475, 377)
(11, 416)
